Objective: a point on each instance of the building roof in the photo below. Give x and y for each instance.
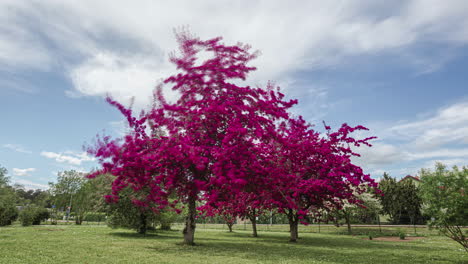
(411, 177)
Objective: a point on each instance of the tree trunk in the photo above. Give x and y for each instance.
(380, 227)
(253, 220)
(189, 230)
(293, 229)
(293, 226)
(79, 219)
(230, 226)
(348, 222)
(142, 227)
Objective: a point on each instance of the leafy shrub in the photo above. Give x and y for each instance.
(31, 215)
(95, 217)
(402, 235)
(8, 213)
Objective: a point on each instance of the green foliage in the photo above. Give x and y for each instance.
(95, 217)
(36, 197)
(400, 200)
(125, 214)
(32, 215)
(402, 235)
(4, 180)
(446, 201)
(8, 211)
(68, 184)
(83, 195)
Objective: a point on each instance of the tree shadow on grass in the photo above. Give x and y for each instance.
(155, 235)
(136, 235)
(346, 250)
(323, 239)
(275, 247)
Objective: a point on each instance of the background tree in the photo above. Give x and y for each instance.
(446, 201)
(8, 200)
(37, 197)
(390, 200)
(400, 200)
(124, 213)
(4, 179)
(365, 212)
(66, 192)
(412, 201)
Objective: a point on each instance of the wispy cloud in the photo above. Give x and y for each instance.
(17, 148)
(116, 50)
(439, 137)
(31, 185)
(69, 157)
(23, 172)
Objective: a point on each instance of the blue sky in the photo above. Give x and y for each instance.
(398, 68)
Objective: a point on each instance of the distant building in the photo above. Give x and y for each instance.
(416, 180)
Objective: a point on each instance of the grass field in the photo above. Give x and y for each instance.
(100, 244)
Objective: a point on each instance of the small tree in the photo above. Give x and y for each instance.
(400, 200)
(412, 201)
(391, 201)
(68, 184)
(446, 201)
(124, 213)
(8, 198)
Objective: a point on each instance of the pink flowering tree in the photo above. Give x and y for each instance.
(244, 205)
(210, 133)
(129, 160)
(221, 144)
(315, 172)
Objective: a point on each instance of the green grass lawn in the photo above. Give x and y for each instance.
(100, 244)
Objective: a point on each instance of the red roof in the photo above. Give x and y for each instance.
(411, 177)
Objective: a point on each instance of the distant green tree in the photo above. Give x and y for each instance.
(390, 200)
(68, 194)
(8, 198)
(125, 213)
(4, 179)
(444, 193)
(399, 199)
(366, 212)
(37, 197)
(412, 201)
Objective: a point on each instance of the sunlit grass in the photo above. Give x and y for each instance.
(100, 244)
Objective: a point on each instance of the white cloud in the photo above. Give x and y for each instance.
(122, 77)
(380, 154)
(17, 148)
(122, 50)
(69, 157)
(448, 125)
(31, 185)
(23, 172)
(441, 136)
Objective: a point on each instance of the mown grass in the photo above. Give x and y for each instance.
(100, 244)
(363, 230)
